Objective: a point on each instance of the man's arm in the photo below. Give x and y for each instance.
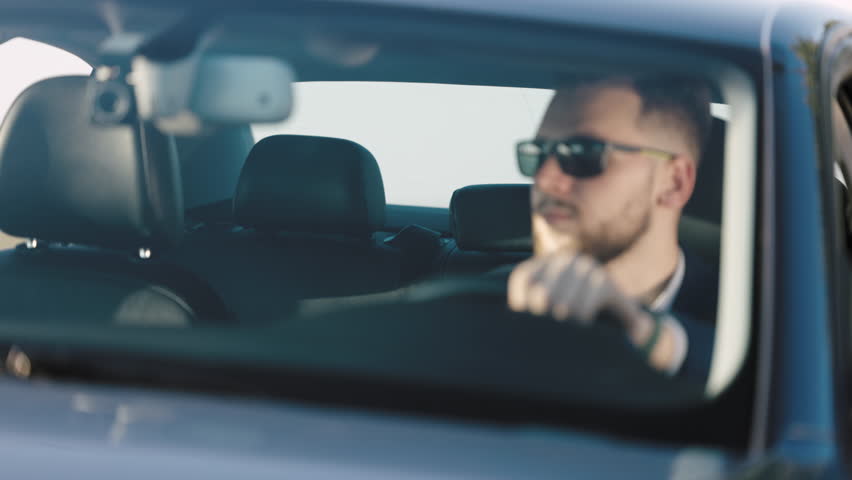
(684, 347)
(579, 290)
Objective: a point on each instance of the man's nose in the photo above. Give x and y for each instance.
(552, 180)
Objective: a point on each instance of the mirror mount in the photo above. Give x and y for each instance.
(111, 93)
(185, 96)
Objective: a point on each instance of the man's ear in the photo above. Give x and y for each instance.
(679, 183)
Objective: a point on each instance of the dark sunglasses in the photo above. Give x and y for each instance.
(580, 157)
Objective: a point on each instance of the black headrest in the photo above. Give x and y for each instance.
(497, 218)
(491, 217)
(310, 184)
(64, 179)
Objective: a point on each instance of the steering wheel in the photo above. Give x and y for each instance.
(487, 287)
(459, 332)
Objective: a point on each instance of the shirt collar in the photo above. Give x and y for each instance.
(666, 298)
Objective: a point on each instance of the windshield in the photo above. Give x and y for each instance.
(472, 221)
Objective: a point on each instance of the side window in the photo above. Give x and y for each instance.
(25, 62)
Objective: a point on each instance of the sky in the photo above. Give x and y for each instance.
(27, 62)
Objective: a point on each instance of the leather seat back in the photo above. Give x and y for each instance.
(100, 205)
(306, 212)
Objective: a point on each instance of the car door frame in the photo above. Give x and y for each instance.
(835, 69)
(796, 404)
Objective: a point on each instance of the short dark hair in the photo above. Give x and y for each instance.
(684, 99)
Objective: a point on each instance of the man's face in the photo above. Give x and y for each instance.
(602, 216)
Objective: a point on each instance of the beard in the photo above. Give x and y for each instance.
(604, 240)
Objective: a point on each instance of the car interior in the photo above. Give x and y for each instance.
(127, 226)
(306, 219)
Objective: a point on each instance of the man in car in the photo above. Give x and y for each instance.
(614, 163)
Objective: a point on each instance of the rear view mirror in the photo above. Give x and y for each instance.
(182, 97)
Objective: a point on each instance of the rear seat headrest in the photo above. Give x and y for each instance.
(310, 184)
(64, 179)
(492, 217)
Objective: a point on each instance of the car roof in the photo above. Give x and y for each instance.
(710, 21)
(735, 23)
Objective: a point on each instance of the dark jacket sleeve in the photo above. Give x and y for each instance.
(699, 353)
(695, 309)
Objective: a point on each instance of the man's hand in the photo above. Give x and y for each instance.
(574, 287)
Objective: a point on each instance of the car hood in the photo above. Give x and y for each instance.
(51, 429)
